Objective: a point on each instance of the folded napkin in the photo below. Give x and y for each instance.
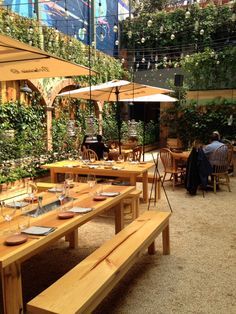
(110, 194)
(17, 204)
(80, 210)
(38, 230)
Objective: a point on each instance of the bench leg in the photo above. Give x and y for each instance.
(166, 240)
(137, 207)
(119, 217)
(152, 249)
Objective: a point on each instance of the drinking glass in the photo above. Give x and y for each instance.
(91, 180)
(92, 158)
(8, 213)
(60, 193)
(80, 155)
(120, 158)
(23, 220)
(105, 156)
(130, 157)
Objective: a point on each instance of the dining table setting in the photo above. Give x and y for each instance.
(127, 170)
(27, 227)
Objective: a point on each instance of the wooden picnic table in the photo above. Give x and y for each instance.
(128, 170)
(11, 257)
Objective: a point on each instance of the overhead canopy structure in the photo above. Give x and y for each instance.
(19, 61)
(115, 90)
(153, 98)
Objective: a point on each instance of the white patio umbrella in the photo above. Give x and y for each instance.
(19, 61)
(153, 98)
(115, 91)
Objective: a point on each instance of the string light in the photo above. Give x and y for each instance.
(149, 23)
(115, 28)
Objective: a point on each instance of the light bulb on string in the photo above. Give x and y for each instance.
(187, 14)
(142, 40)
(201, 32)
(117, 42)
(102, 36)
(149, 23)
(129, 33)
(143, 60)
(172, 37)
(161, 29)
(115, 28)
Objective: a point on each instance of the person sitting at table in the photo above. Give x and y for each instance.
(210, 148)
(99, 147)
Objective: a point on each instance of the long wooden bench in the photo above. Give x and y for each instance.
(87, 284)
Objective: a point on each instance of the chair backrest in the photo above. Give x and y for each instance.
(167, 159)
(137, 153)
(230, 150)
(88, 154)
(220, 159)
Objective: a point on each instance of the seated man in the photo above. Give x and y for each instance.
(210, 148)
(99, 147)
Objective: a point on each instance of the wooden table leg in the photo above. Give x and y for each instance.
(119, 217)
(53, 176)
(145, 187)
(12, 289)
(73, 239)
(166, 240)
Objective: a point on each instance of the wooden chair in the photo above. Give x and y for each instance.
(89, 154)
(220, 160)
(137, 153)
(230, 154)
(170, 167)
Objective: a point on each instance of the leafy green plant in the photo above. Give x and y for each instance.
(195, 122)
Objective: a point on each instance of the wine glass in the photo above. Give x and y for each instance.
(92, 158)
(120, 158)
(130, 157)
(23, 220)
(8, 212)
(91, 180)
(80, 155)
(105, 156)
(60, 193)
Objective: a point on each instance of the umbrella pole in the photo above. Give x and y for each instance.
(144, 129)
(118, 112)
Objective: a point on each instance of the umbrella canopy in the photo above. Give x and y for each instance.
(153, 98)
(115, 90)
(19, 61)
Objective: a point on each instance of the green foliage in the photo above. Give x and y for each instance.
(49, 39)
(202, 44)
(194, 122)
(29, 130)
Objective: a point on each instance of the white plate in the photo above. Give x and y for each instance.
(54, 190)
(80, 210)
(17, 204)
(109, 194)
